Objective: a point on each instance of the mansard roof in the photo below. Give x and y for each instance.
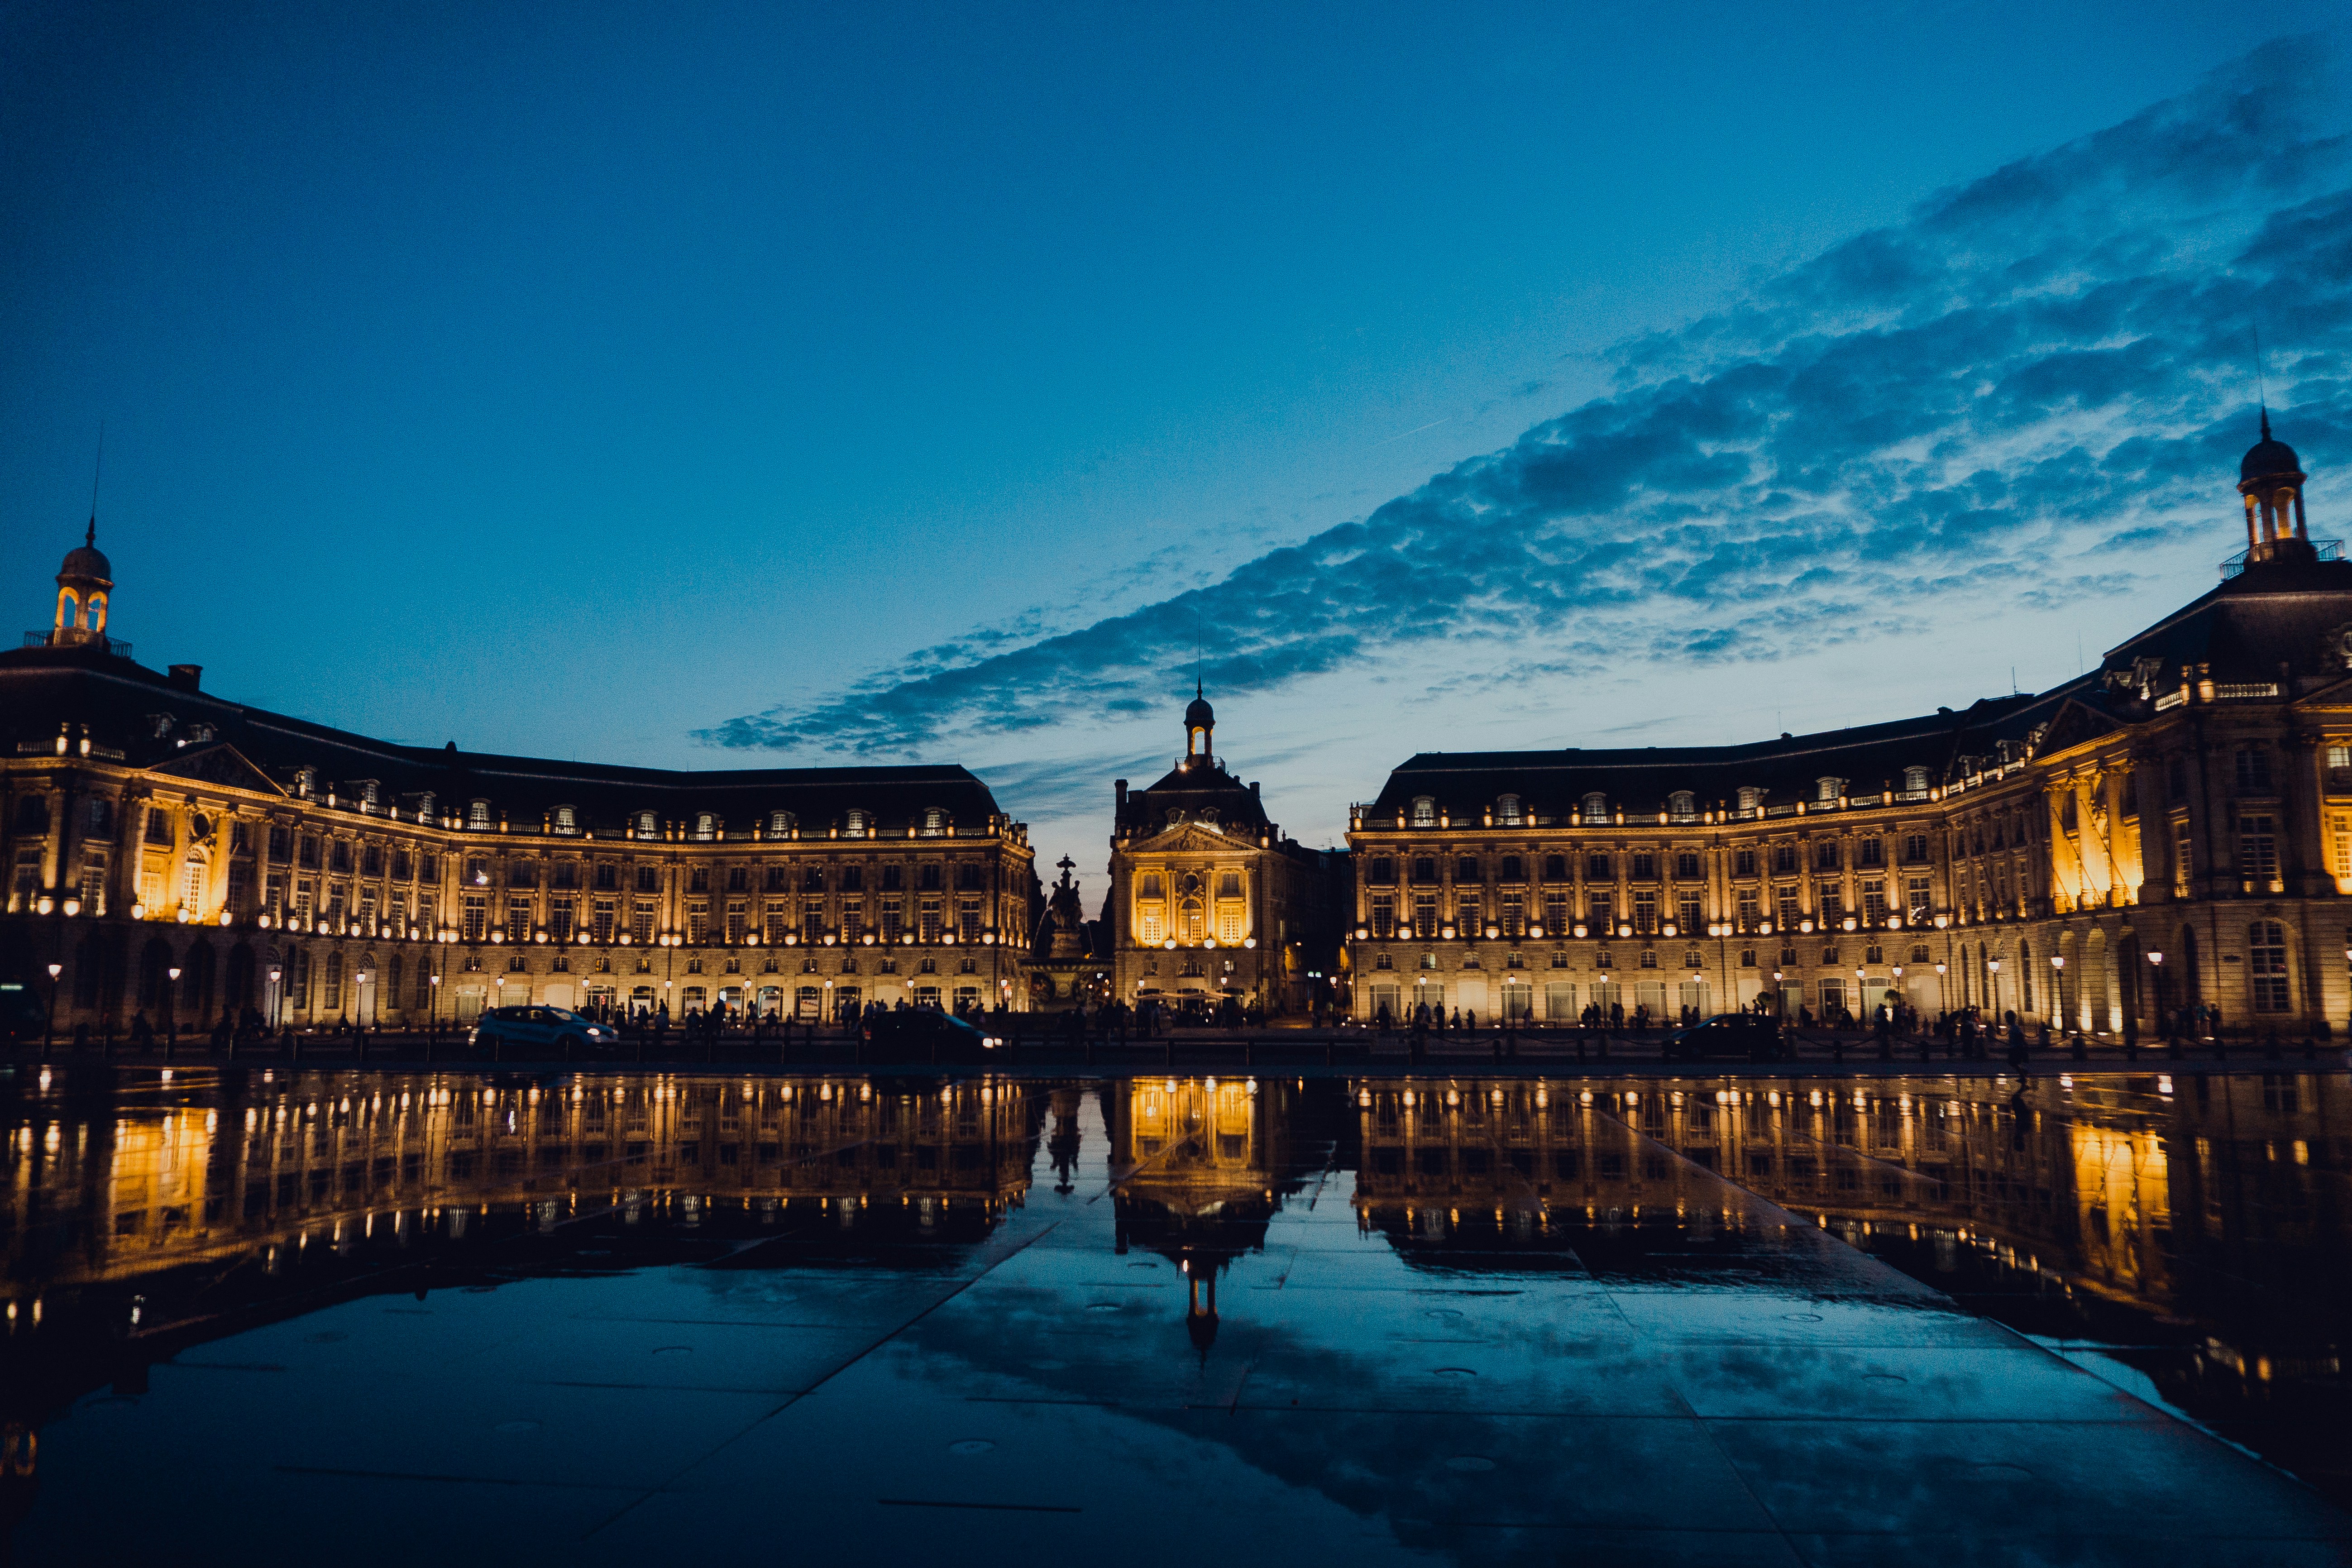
(44, 689)
(1869, 757)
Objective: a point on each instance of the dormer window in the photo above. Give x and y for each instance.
(565, 821)
(306, 782)
(1682, 805)
(647, 826)
(934, 821)
(706, 825)
(1208, 816)
(424, 806)
(1827, 790)
(780, 824)
(1425, 811)
(478, 815)
(1750, 798)
(1915, 781)
(1596, 808)
(859, 823)
(1506, 810)
(366, 789)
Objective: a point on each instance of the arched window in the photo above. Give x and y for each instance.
(1188, 922)
(780, 824)
(1425, 811)
(478, 815)
(935, 822)
(647, 825)
(565, 821)
(1682, 805)
(1506, 811)
(706, 825)
(1915, 781)
(69, 610)
(97, 612)
(858, 823)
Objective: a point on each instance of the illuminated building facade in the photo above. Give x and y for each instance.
(1208, 901)
(315, 876)
(2173, 828)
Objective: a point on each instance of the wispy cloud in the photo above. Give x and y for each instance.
(1999, 398)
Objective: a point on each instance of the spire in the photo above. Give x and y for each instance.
(97, 467)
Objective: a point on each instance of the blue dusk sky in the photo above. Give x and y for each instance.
(716, 386)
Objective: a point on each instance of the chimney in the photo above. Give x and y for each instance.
(185, 676)
(1120, 785)
(1253, 786)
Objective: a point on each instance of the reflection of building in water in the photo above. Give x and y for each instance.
(2205, 1197)
(224, 1202)
(1204, 1164)
(316, 1154)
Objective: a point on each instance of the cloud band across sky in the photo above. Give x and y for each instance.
(1998, 397)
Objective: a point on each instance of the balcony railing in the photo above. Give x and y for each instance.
(2329, 550)
(114, 646)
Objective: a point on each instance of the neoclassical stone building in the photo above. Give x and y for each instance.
(1209, 899)
(2175, 826)
(315, 875)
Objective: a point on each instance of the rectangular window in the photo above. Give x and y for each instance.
(2253, 770)
(1874, 899)
(928, 914)
(477, 916)
(1229, 885)
(1466, 914)
(811, 919)
(158, 827)
(603, 923)
(1688, 914)
(1784, 898)
(1554, 920)
(1384, 918)
(1915, 849)
(1645, 866)
(518, 920)
(1424, 915)
(2257, 854)
(335, 895)
(641, 920)
(1600, 911)
(367, 911)
(1825, 855)
(1645, 910)
(1918, 902)
(2339, 847)
(2183, 864)
(698, 923)
(1874, 852)
(853, 919)
(1151, 919)
(968, 921)
(1829, 902)
(2267, 965)
(1743, 863)
(894, 917)
(1515, 914)
(1597, 869)
(1751, 912)
(739, 920)
(561, 914)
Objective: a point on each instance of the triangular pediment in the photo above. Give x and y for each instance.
(1191, 838)
(220, 763)
(2074, 724)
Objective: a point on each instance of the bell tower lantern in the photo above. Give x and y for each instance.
(85, 594)
(1199, 729)
(2271, 479)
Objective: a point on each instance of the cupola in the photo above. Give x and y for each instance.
(2270, 478)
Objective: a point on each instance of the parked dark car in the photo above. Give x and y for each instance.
(541, 1032)
(1736, 1037)
(919, 1034)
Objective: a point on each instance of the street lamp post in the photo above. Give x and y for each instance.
(171, 1013)
(50, 1028)
(365, 995)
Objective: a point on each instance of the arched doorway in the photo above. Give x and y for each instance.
(236, 989)
(194, 1004)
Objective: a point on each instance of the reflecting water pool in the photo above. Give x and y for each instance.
(407, 1315)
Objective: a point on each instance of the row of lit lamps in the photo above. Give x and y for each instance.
(1403, 932)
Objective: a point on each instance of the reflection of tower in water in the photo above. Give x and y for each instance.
(1195, 1162)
